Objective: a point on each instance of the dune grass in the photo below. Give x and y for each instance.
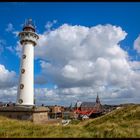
(123, 123)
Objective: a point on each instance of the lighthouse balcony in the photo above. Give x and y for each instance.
(28, 37)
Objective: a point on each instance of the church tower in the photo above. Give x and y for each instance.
(98, 103)
(97, 99)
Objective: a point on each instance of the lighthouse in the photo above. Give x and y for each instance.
(28, 40)
(25, 93)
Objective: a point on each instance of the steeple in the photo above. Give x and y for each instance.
(97, 99)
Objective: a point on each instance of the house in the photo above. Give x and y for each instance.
(84, 117)
(56, 111)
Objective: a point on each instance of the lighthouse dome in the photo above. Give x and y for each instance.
(29, 25)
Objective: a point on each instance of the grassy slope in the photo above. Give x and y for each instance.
(123, 122)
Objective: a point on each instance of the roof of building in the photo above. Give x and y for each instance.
(88, 104)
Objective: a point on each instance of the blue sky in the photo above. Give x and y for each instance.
(86, 14)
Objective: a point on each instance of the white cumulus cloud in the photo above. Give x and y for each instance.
(137, 44)
(82, 56)
(7, 78)
(8, 94)
(87, 58)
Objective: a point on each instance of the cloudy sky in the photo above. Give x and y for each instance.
(84, 49)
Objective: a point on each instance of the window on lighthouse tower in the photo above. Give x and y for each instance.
(24, 56)
(20, 101)
(21, 86)
(22, 70)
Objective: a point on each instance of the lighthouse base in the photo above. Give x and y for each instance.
(30, 113)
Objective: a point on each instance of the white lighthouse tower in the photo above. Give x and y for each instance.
(28, 39)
